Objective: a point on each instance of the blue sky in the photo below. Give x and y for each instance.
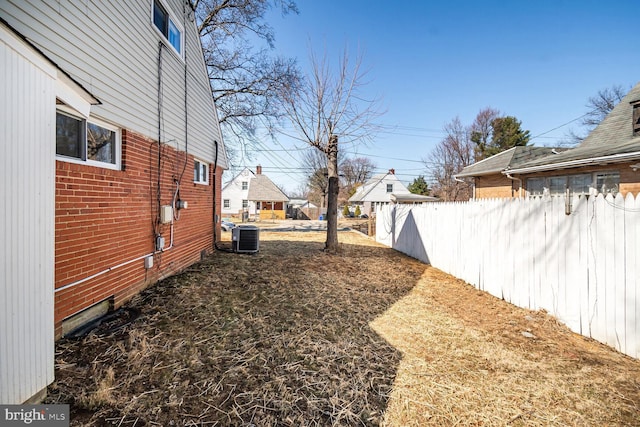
(433, 61)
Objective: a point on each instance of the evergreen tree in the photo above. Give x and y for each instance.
(419, 186)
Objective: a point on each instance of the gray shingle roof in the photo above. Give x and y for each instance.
(262, 189)
(510, 158)
(611, 141)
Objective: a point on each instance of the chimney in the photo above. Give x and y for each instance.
(258, 170)
(392, 171)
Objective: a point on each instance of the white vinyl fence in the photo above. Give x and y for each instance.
(582, 267)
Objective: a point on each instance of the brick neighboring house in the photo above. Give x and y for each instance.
(110, 103)
(607, 161)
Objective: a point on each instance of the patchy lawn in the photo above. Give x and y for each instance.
(292, 336)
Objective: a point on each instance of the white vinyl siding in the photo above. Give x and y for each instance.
(27, 224)
(121, 67)
(236, 192)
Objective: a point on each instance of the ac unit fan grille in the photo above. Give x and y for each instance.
(246, 239)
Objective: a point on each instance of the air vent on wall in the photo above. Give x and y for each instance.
(245, 238)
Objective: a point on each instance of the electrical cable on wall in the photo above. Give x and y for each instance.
(215, 215)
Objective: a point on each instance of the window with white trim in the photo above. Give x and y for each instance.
(245, 185)
(245, 204)
(87, 141)
(169, 27)
(226, 203)
(389, 188)
(200, 172)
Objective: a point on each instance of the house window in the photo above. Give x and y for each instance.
(245, 204)
(226, 203)
(608, 183)
(389, 188)
(535, 187)
(557, 185)
(580, 184)
(87, 141)
(200, 172)
(636, 118)
(168, 27)
(245, 185)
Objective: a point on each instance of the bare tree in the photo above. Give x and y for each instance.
(246, 82)
(355, 171)
(326, 110)
(317, 180)
(598, 107)
(448, 158)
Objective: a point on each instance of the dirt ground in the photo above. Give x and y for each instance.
(293, 336)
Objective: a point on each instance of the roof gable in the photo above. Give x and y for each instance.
(374, 187)
(262, 189)
(244, 175)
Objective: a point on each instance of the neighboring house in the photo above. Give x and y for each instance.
(302, 209)
(381, 190)
(255, 195)
(412, 199)
(94, 98)
(607, 161)
(235, 195)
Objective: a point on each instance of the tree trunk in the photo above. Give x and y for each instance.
(331, 244)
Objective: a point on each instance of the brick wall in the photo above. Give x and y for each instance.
(499, 186)
(494, 186)
(107, 218)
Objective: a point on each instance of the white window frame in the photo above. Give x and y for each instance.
(226, 203)
(245, 185)
(389, 188)
(245, 204)
(118, 141)
(202, 177)
(171, 20)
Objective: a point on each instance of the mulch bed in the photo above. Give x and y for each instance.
(293, 336)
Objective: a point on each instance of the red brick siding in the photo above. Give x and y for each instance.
(106, 217)
(499, 186)
(494, 186)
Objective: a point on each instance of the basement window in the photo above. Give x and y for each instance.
(200, 172)
(87, 141)
(169, 27)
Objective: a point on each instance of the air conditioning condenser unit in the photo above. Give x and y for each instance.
(245, 238)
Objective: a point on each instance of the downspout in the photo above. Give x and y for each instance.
(513, 178)
(455, 178)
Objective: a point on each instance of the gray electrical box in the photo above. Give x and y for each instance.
(245, 238)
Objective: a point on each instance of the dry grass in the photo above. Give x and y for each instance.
(293, 336)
